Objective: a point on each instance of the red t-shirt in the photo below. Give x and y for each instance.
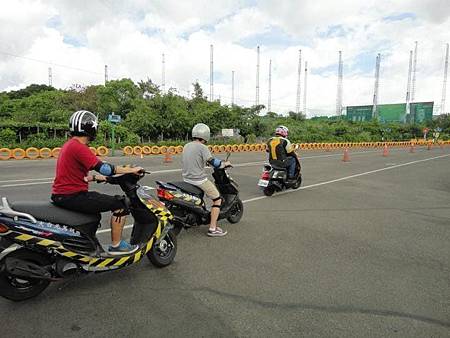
(74, 162)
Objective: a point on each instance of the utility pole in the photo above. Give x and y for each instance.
(413, 88)
(50, 77)
(269, 101)
(257, 77)
(339, 86)
(305, 87)
(163, 74)
(232, 88)
(444, 84)
(408, 86)
(376, 86)
(211, 74)
(106, 74)
(299, 71)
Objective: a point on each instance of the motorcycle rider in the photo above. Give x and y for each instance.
(70, 187)
(282, 153)
(196, 156)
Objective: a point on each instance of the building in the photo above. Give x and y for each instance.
(418, 112)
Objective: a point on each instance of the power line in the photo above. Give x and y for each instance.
(50, 63)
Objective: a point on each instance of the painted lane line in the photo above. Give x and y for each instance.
(28, 179)
(348, 177)
(245, 164)
(321, 183)
(24, 184)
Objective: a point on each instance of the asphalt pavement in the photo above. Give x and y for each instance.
(361, 249)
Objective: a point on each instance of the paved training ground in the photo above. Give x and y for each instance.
(363, 249)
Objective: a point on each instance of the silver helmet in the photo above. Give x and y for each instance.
(201, 131)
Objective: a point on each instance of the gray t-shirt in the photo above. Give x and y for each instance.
(195, 155)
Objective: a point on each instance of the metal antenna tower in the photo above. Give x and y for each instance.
(408, 86)
(377, 83)
(232, 87)
(106, 74)
(444, 84)
(413, 87)
(297, 104)
(211, 74)
(339, 86)
(305, 87)
(50, 77)
(269, 101)
(257, 76)
(163, 74)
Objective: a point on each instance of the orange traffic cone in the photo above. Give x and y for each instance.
(412, 149)
(385, 151)
(346, 157)
(168, 157)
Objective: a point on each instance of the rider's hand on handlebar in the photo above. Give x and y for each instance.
(226, 164)
(95, 178)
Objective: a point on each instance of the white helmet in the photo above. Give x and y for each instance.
(201, 131)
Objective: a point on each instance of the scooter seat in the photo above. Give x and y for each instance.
(48, 212)
(189, 188)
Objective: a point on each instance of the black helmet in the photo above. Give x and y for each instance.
(83, 123)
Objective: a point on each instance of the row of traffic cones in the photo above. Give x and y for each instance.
(412, 149)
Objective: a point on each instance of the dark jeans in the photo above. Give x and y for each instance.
(291, 164)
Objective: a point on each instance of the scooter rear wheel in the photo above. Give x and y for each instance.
(163, 253)
(268, 191)
(236, 212)
(21, 288)
(298, 183)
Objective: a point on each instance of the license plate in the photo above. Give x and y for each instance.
(263, 183)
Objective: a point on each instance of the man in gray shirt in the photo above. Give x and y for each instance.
(196, 156)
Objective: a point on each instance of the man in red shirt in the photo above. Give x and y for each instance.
(70, 187)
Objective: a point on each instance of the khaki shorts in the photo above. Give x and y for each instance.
(210, 189)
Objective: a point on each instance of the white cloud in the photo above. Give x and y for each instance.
(131, 36)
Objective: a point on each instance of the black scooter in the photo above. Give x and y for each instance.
(186, 203)
(274, 178)
(41, 242)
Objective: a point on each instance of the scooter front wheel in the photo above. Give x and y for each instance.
(163, 253)
(236, 212)
(21, 288)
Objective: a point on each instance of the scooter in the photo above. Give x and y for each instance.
(41, 242)
(274, 178)
(186, 202)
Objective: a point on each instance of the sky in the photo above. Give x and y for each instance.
(78, 38)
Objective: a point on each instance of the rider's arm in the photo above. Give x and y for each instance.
(214, 162)
(289, 148)
(108, 169)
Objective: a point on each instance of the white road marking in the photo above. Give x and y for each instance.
(322, 183)
(49, 180)
(348, 177)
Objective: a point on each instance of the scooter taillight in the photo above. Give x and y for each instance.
(164, 194)
(265, 175)
(3, 228)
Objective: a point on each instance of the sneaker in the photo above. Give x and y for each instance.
(217, 232)
(122, 248)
